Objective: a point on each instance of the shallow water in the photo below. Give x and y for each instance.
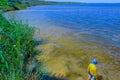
(74, 35)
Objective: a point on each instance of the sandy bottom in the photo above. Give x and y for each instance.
(65, 55)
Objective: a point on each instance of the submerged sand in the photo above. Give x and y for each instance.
(64, 55)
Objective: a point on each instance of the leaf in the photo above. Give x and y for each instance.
(1, 56)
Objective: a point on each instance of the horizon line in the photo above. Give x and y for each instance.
(83, 2)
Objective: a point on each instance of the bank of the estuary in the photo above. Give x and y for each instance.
(17, 55)
(23, 4)
(67, 37)
(70, 36)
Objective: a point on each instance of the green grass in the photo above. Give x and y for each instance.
(20, 6)
(16, 47)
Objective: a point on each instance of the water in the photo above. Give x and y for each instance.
(77, 33)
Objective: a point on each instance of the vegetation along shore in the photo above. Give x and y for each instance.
(22, 4)
(17, 54)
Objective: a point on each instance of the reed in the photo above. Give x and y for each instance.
(16, 48)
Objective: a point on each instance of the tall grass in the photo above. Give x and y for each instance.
(16, 47)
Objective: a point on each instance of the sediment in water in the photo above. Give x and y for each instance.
(66, 57)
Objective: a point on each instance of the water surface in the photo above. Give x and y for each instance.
(75, 34)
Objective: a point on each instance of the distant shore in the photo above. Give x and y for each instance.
(24, 4)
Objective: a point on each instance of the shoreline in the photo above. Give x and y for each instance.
(24, 4)
(54, 49)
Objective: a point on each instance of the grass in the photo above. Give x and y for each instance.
(16, 48)
(14, 6)
(20, 6)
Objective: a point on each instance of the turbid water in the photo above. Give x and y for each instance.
(75, 34)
